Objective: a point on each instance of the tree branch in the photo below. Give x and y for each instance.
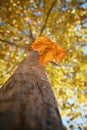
(30, 30)
(47, 17)
(13, 44)
(31, 34)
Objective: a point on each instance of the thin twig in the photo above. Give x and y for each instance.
(30, 30)
(31, 34)
(47, 17)
(13, 44)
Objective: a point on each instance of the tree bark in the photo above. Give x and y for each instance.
(27, 101)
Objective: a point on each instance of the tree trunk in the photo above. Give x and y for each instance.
(27, 101)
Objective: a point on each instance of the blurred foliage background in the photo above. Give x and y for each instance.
(21, 21)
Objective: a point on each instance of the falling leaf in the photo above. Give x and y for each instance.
(48, 50)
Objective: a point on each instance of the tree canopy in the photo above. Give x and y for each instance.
(64, 22)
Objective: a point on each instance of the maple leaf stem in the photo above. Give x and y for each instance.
(43, 27)
(55, 63)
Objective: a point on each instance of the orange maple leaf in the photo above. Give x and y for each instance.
(48, 50)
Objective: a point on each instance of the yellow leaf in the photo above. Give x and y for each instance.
(59, 1)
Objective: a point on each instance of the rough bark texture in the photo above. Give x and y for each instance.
(27, 101)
